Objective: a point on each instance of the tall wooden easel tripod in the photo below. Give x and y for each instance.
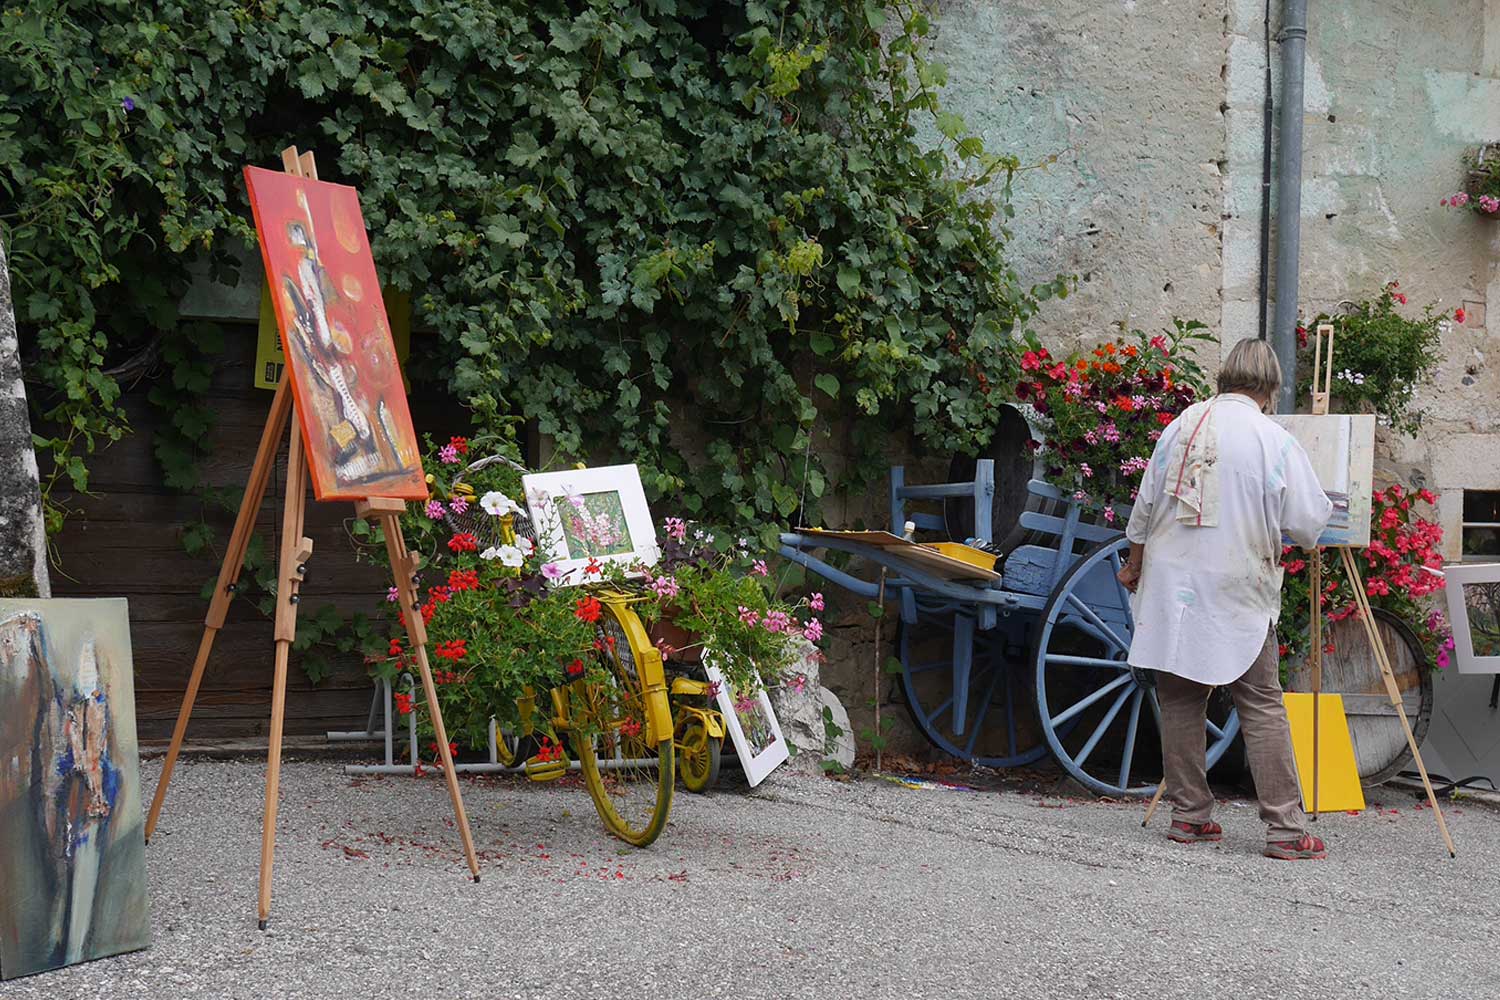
(294, 553)
(1322, 386)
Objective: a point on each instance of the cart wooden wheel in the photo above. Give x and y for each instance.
(1380, 747)
(998, 728)
(629, 780)
(1083, 681)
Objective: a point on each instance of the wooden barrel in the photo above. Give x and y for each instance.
(1015, 465)
(1380, 748)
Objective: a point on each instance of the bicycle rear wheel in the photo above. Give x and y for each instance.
(627, 767)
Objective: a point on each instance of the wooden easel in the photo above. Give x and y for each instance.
(1322, 391)
(292, 559)
(1323, 376)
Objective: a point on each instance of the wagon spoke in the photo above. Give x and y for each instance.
(1130, 732)
(1101, 728)
(922, 668)
(1088, 613)
(928, 720)
(984, 709)
(1113, 685)
(1087, 661)
(1010, 710)
(1218, 733)
(1114, 560)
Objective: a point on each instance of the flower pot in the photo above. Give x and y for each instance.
(686, 646)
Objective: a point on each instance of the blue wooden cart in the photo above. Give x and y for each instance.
(1002, 671)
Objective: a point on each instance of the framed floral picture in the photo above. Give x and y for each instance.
(752, 725)
(1474, 612)
(586, 518)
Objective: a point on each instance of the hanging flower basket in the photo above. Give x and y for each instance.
(1481, 193)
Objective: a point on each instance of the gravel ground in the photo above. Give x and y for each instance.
(803, 888)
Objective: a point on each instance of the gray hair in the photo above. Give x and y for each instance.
(1252, 369)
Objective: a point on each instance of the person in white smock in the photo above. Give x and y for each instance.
(1225, 485)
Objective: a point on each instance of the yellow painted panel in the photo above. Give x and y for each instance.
(1338, 774)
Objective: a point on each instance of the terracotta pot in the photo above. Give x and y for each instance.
(686, 647)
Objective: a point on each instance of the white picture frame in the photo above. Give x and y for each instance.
(757, 756)
(583, 515)
(1484, 597)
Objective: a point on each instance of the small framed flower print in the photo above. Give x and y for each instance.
(587, 518)
(1474, 612)
(752, 725)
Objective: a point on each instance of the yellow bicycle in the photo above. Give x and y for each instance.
(620, 727)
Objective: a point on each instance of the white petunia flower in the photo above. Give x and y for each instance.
(509, 555)
(526, 545)
(497, 504)
(490, 553)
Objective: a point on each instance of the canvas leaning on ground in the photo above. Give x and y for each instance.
(72, 854)
(337, 338)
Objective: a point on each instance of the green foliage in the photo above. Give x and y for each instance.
(692, 235)
(1380, 357)
(714, 588)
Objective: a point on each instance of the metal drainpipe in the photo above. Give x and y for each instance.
(1289, 196)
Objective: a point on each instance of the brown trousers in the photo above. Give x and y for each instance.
(1268, 738)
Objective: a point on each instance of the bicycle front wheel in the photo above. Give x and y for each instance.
(627, 766)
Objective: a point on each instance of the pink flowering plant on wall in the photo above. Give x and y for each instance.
(1104, 409)
(1403, 546)
(715, 593)
(1481, 194)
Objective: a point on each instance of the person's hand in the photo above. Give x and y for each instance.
(1129, 576)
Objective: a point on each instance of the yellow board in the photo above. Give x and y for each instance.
(966, 553)
(269, 359)
(1338, 774)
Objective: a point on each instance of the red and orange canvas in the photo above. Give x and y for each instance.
(341, 358)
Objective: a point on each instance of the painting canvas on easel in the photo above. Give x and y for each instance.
(1341, 447)
(72, 854)
(336, 337)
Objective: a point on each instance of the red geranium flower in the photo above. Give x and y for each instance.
(460, 444)
(403, 702)
(463, 542)
(588, 610)
(594, 567)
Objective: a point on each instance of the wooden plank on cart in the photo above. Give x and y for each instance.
(921, 556)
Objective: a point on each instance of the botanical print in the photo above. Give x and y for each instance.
(1483, 602)
(593, 524)
(72, 855)
(754, 723)
(337, 338)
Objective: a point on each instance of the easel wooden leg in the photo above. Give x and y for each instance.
(229, 574)
(291, 565)
(1367, 616)
(403, 568)
(1161, 790)
(1315, 585)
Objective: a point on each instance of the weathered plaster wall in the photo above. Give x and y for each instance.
(1126, 96)
(1395, 93)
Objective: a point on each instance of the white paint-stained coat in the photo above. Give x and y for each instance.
(1207, 594)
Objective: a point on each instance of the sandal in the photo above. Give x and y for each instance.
(1308, 848)
(1195, 833)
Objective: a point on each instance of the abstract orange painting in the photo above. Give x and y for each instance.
(341, 358)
